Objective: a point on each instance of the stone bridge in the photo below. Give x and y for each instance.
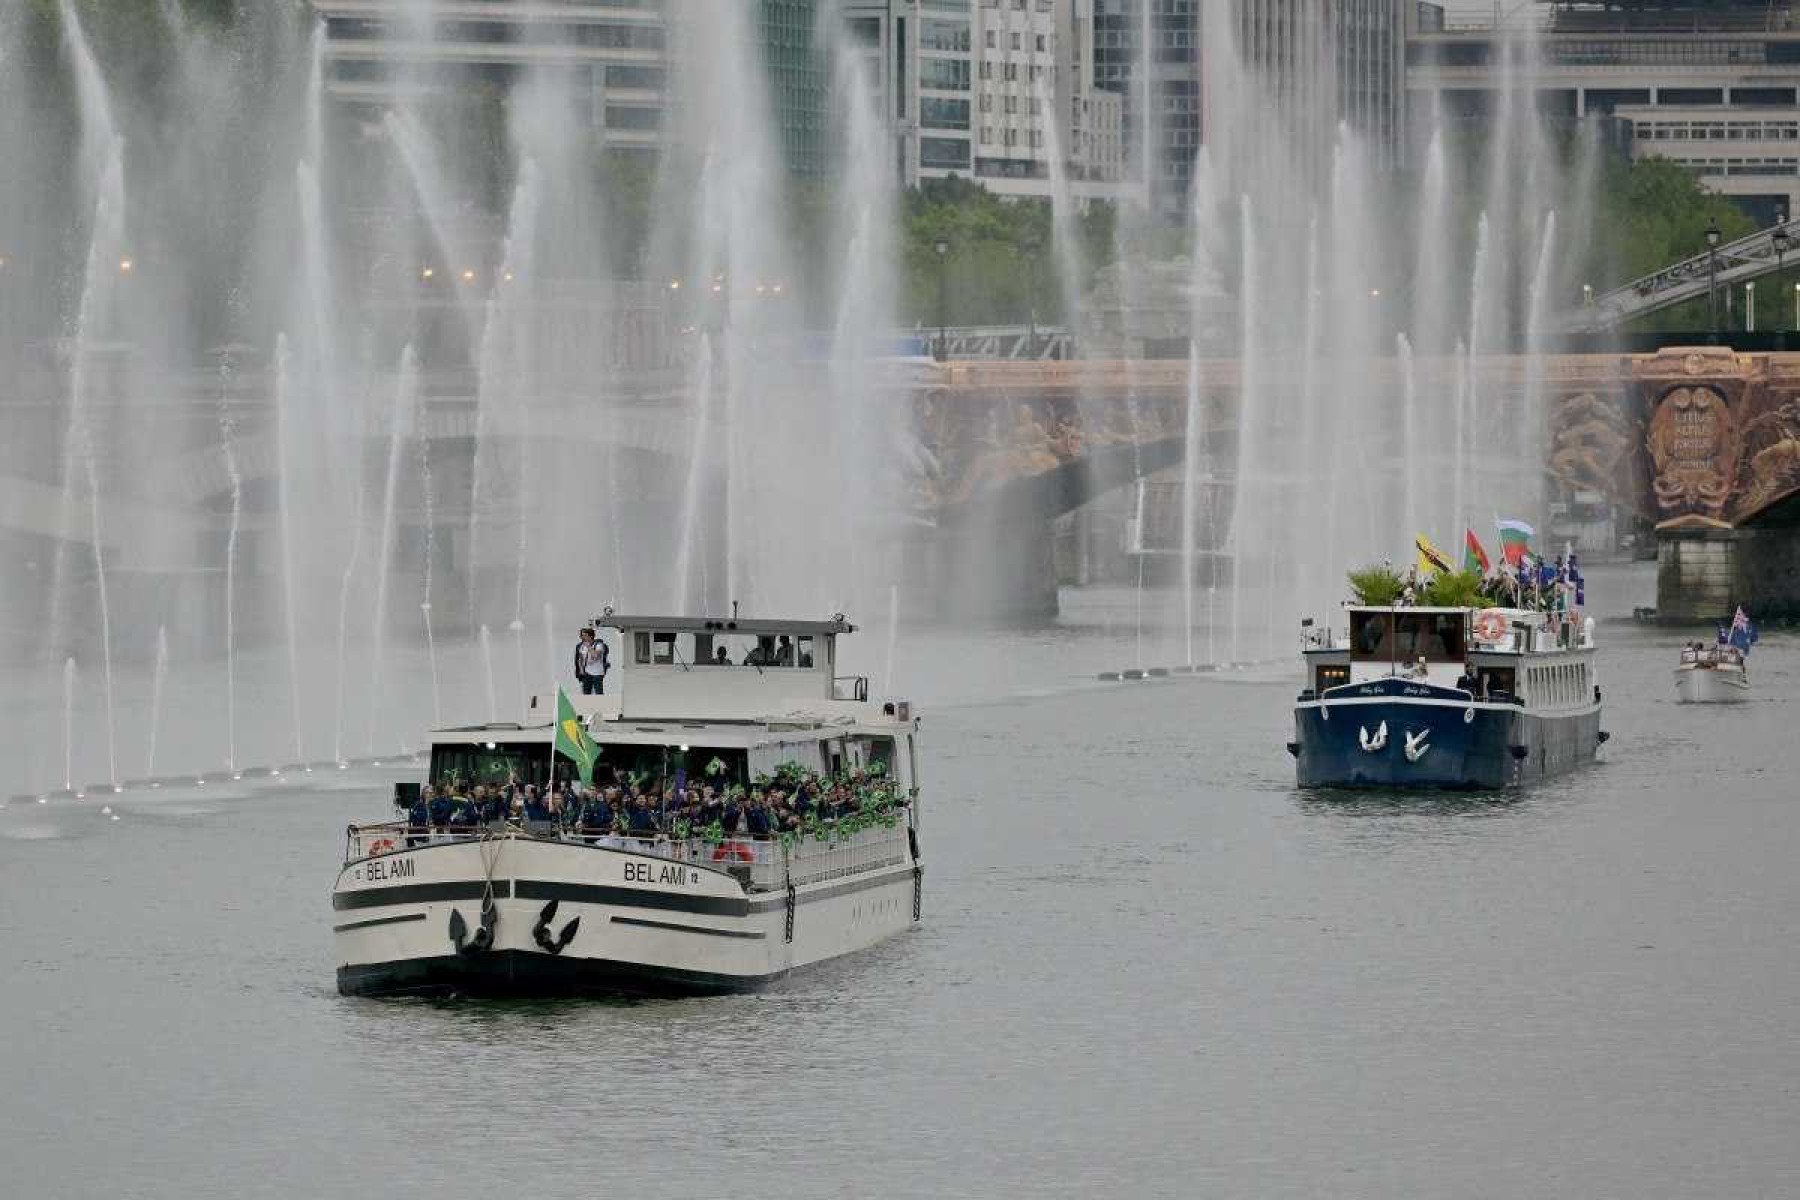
(1701, 443)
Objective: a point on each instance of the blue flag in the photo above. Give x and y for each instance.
(1743, 633)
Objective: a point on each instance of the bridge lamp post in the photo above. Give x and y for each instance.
(1780, 242)
(1029, 244)
(941, 248)
(1750, 307)
(1712, 274)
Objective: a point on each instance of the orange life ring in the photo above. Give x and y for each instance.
(732, 852)
(380, 846)
(1490, 625)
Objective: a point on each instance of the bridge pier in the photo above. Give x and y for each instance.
(1696, 573)
(1703, 574)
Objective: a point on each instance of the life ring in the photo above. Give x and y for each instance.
(1490, 625)
(732, 852)
(380, 846)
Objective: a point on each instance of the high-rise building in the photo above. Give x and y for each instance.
(1295, 69)
(378, 50)
(618, 52)
(1713, 85)
(989, 89)
(799, 85)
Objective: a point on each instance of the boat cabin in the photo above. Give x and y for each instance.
(726, 668)
(1452, 648)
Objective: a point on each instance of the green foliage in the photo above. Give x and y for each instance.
(1455, 589)
(1375, 585)
(1001, 263)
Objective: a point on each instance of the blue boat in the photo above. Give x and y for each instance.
(1460, 698)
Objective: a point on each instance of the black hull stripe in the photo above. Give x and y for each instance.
(622, 897)
(727, 933)
(374, 921)
(417, 893)
(617, 897)
(517, 973)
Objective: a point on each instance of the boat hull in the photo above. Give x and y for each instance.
(1470, 746)
(1711, 685)
(412, 922)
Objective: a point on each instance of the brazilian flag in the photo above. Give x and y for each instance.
(572, 740)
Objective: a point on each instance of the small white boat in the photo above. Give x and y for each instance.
(1711, 675)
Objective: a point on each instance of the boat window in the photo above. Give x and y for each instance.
(665, 766)
(1497, 682)
(641, 644)
(1436, 636)
(751, 650)
(1334, 675)
(467, 764)
(662, 648)
(1369, 636)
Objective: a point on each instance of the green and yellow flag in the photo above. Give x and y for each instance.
(572, 740)
(1431, 559)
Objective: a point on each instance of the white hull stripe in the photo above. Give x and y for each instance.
(1477, 705)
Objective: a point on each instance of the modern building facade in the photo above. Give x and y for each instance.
(379, 50)
(620, 53)
(1712, 86)
(1263, 73)
(991, 90)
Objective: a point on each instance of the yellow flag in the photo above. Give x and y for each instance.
(1431, 559)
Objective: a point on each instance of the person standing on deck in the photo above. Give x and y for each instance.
(591, 663)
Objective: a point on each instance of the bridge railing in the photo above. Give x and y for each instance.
(1734, 262)
(1025, 342)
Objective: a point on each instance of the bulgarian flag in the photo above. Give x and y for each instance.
(1474, 556)
(572, 740)
(1515, 540)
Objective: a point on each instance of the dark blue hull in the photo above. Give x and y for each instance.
(1456, 745)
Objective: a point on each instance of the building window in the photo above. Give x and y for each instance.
(944, 153)
(945, 74)
(938, 113)
(1015, 41)
(1040, 43)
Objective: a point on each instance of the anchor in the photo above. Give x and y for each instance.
(483, 937)
(1416, 745)
(1371, 744)
(540, 933)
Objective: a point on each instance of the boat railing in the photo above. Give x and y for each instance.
(760, 863)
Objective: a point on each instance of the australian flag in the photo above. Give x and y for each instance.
(1743, 632)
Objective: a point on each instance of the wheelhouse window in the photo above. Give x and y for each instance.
(1435, 637)
(1371, 636)
(1330, 676)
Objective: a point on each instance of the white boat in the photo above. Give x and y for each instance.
(539, 908)
(1712, 675)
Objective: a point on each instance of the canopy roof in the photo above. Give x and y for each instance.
(758, 627)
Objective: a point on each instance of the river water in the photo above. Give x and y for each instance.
(1147, 965)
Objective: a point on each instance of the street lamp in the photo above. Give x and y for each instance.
(1712, 274)
(1750, 307)
(1029, 245)
(1780, 242)
(1587, 295)
(941, 248)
